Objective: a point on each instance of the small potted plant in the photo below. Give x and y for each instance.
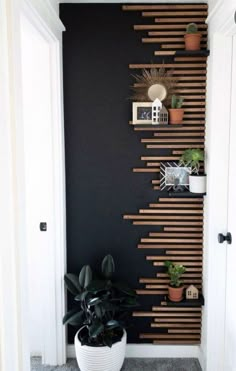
(176, 111)
(192, 158)
(175, 288)
(192, 37)
(101, 308)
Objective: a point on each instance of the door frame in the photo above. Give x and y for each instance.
(222, 28)
(14, 335)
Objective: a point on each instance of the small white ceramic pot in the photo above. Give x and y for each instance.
(197, 183)
(100, 358)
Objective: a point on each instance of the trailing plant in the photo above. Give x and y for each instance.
(192, 158)
(102, 304)
(192, 28)
(175, 271)
(176, 101)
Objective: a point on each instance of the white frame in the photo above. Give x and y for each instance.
(135, 107)
(14, 336)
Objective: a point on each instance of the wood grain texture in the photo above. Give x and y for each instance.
(164, 7)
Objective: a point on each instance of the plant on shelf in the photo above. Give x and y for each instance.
(176, 111)
(102, 306)
(175, 288)
(192, 37)
(192, 158)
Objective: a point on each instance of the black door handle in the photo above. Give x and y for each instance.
(227, 238)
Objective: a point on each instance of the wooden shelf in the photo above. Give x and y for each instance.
(186, 302)
(186, 194)
(155, 126)
(184, 53)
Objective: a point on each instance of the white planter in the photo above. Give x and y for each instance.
(100, 358)
(197, 183)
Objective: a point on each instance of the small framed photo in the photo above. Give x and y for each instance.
(142, 113)
(174, 177)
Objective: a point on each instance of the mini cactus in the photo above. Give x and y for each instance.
(176, 101)
(191, 28)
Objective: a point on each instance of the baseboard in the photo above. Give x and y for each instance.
(154, 351)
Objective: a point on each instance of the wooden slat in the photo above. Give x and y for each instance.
(174, 258)
(190, 59)
(175, 325)
(185, 263)
(166, 217)
(197, 206)
(171, 140)
(171, 128)
(176, 309)
(167, 280)
(151, 292)
(155, 181)
(164, 247)
(167, 336)
(176, 199)
(173, 211)
(142, 27)
(164, 234)
(150, 146)
(159, 287)
(174, 13)
(184, 331)
(180, 20)
(151, 164)
(147, 40)
(190, 275)
(178, 252)
(166, 222)
(178, 314)
(189, 85)
(145, 170)
(176, 342)
(175, 33)
(177, 46)
(168, 65)
(159, 158)
(182, 229)
(164, 7)
(174, 320)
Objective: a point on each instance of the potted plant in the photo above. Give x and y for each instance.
(192, 158)
(175, 288)
(176, 111)
(101, 309)
(192, 37)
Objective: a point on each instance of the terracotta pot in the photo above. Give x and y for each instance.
(175, 293)
(176, 115)
(192, 41)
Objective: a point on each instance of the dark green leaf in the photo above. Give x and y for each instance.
(81, 296)
(85, 276)
(107, 341)
(94, 301)
(100, 311)
(72, 283)
(95, 329)
(96, 286)
(74, 317)
(108, 266)
(123, 288)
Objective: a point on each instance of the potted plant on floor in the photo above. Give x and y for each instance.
(192, 158)
(192, 37)
(175, 288)
(100, 313)
(176, 111)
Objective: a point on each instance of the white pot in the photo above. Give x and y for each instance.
(197, 183)
(100, 358)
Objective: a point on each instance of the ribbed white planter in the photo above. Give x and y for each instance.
(197, 183)
(100, 358)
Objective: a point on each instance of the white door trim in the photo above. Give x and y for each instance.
(14, 336)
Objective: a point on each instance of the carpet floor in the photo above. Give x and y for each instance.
(131, 364)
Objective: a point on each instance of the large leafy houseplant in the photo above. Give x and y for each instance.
(175, 288)
(102, 305)
(192, 158)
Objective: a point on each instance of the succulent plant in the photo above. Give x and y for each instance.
(191, 28)
(174, 271)
(176, 101)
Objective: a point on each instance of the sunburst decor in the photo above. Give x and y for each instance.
(161, 80)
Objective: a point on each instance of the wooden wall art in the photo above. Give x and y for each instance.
(176, 223)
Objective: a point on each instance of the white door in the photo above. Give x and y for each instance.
(230, 318)
(39, 198)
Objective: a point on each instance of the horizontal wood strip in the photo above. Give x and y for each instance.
(185, 263)
(174, 320)
(164, 7)
(176, 199)
(166, 222)
(169, 65)
(159, 158)
(170, 128)
(159, 287)
(150, 146)
(156, 40)
(190, 59)
(174, 258)
(177, 46)
(182, 229)
(176, 342)
(185, 331)
(164, 234)
(176, 33)
(179, 252)
(152, 292)
(175, 325)
(184, 275)
(185, 20)
(173, 211)
(145, 170)
(151, 164)
(143, 27)
(176, 309)
(191, 13)
(161, 217)
(168, 336)
(197, 206)
(189, 85)
(171, 140)
(178, 314)
(167, 280)
(155, 181)
(164, 247)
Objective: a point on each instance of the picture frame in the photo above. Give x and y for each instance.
(174, 177)
(142, 113)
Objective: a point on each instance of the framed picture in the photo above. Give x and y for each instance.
(174, 177)
(142, 113)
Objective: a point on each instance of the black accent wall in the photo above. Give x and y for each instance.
(101, 146)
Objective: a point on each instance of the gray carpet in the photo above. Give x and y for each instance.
(132, 364)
